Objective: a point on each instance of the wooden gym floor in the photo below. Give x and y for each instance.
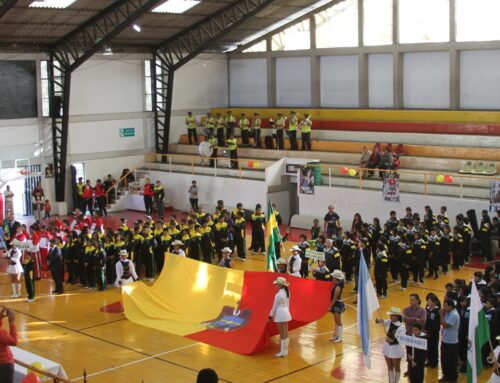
(72, 330)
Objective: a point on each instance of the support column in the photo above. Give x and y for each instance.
(454, 61)
(363, 80)
(398, 86)
(271, 82)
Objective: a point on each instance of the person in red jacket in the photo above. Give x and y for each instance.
(100, 196)
(7, 339)
(87, 198)
(149, 193)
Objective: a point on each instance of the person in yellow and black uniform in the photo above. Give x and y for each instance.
(239, 234)
(210, 123)
(206, 241)
(71, 254)
(213, 141)
(279, 125)
(146, 252)
(79, 193)
(306, 127)
(256, 125)
(221, 233)
(230, 122)
(29, 277)
(134, 245)
(159, 195)
(221, 122)
(244, 124)
(191, 128)
(163, 245)
(380, 271)
(232, 144)
(485, 236)
(292, 130)
(99, 263)
(195, 243)
(108, 245)
(258, 224)
(88, 263)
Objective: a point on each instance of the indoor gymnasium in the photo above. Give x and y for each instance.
(249, 191)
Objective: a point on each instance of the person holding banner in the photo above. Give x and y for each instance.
(337, 307)
(417, 357)
(393, 350)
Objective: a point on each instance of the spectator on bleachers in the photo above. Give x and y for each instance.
(400, 150)
(386, 161)
(374, 161)
(363, 162)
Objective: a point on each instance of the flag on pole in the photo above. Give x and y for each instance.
(273, 238)
(367, 304)
(479, 335)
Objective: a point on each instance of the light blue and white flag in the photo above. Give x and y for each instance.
(367, 304)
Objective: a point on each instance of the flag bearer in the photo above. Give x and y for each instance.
(191, 128)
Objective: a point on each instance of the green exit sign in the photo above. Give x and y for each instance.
(127, 132)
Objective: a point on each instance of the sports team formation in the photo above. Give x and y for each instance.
(249, 191)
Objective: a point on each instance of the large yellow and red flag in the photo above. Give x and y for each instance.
(223, 307)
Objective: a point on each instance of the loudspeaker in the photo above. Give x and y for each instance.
(471, 214)
(269, 142)
(56, 107)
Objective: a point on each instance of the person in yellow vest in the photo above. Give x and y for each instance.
(230, 123)
(306, 127)
(256, 130)
(213, 141)
(191, 128)
(244, 124)
(239, 234)
(232, 144)
(292, 130)
(210, 124)
(79, 192)
(279, 125)
(221, 122)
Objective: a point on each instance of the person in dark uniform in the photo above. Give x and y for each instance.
(321, 273)
(463, 332)
(258, 224)
(256, 126)
(29, 276)
(337, 307)
(55, 262)
(99, 264)
(206, 241)
(221, 235)
(419, 257)
(485, 236)
(332, 256)
(226, 260)
(380, 271)
(405, 260)
(280, 127)
(239, 235)
(434, 255)
(432, 328)
(232, 144)
(212, 140)
(303, 245)
(362, 251)
(330, 222)
(416, 357)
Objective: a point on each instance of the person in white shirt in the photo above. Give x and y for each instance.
(294, 262)
(393, 350)
(178, 248)
(494, 359)
(280, 312)
(15, 269)
(8, 200)
(125, 270)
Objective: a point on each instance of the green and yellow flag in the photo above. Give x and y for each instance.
(273, 238)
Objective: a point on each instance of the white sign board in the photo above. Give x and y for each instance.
(317, 255)
(23, 245)
(413, 341)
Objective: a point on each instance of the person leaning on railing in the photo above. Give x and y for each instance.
(7, 339)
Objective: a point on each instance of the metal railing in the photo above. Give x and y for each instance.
(46, 374)
(122, 181)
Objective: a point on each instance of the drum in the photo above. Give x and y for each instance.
(205, 149)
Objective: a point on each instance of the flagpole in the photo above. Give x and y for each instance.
(497, 371)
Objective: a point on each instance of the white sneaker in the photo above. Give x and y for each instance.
(403, 288)
(337, 340)
(30, 300)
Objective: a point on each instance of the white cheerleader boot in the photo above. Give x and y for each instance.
(397, 375)
(391, 376)
(282, 347)
(14, 290)
(339, 335)
(18, 290)
(285, 346)
(334, 336)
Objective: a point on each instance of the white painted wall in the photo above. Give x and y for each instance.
(426, 80)
(339, 81)
(480, 79)
(380, 81)
(293, 81)
(348, 202)
(100, 168)
(248, 82)
(18, 138)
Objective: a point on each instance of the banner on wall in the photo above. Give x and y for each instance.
(306, 180)
(495, 196)
(390, 191)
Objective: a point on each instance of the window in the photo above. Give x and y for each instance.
(477, 20)
(424, 21)
(148, 84)
(338, 26)
(377, 15)
(261, 46)
(80, 170)
(295, 37)
(44, 70)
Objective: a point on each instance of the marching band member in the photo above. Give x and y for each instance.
(244, 124)
(279, 125)
(292, 130)
(256, 130)
(191, 128)
(306, 127)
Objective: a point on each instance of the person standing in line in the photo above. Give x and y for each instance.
(393, 350)
(450, 321)
(280, 312)
(191, 128)
(100, 196)
(148, 193)
(7, 339)
(87, 198)
(292, 130)
(416, 357)
(337, 307)
(244, 124)
(8, 200)
(432, 327)
(279, 125)
(29, 275)
(79, 194)
(159, 195)
(256, 125)
(230, 122)
(239, 235)
(38, 204)
(193, 195)
(212, 140)
(306, 127)
(413, 314)
(330, 221)
(221, 121)
(55, 262)
(15, 269)
(258, 224)
(210, 124)
(232, 144)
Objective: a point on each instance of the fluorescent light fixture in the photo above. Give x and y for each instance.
(176, 6)
(51, 3)
(107, 51)
(279, 24)
(136, 27)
